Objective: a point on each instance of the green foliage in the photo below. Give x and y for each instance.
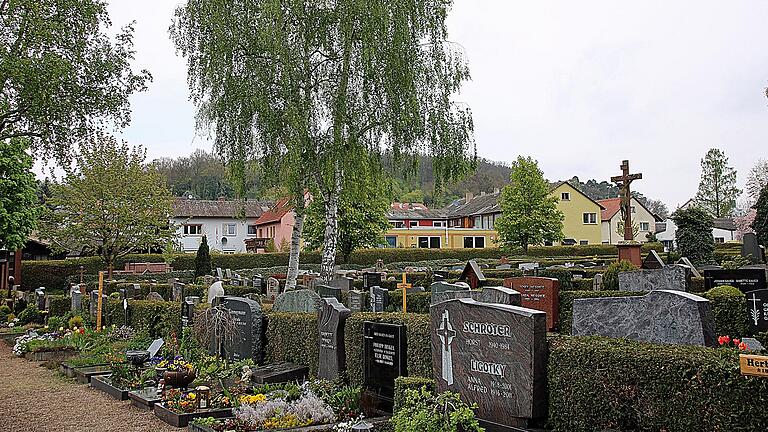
(203, 259)
(405, 383)
(292, 337)
(111, 202)
(729, 308)
(58, 305)
(760, 224)
(30, 314)
(64, 72)
(75, 321)
(529, 212)
(694, 235)
(566, 304)
(424, 411)
(611, 275)
(717, 189)
(19, 207)
(614, 384)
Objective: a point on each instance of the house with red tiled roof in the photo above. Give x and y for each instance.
(273, 225)
(612, 226)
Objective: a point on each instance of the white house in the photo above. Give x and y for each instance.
(611, 228)
(226, 224)
(724, 230)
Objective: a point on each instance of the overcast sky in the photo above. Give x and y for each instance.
(577, 85)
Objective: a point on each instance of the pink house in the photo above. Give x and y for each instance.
(275, 224)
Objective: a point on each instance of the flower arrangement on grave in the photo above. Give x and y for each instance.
(180, 401)
(34, 342)
(728, 342)
(177, 371)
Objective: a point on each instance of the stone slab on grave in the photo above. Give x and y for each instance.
(279, 373)
(384, 359)
(661, 316)
(302, 300)
(539, 293)
(493, 355)
(750, 248)
(343, 283)
(145, 398)
(671, 278)
(653, 261)
(744, 279)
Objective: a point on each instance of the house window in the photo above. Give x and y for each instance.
(413, 224)
(645, 226)
(719, 239)
(478, 222)
(634, 210)
(252, 230)
(391, 241)
(438, 223)
(583, 242)
(398, 224)
(193, 229)
(230, 229)
(429, 242)
(589, 218)
(565, 196)
(260, 233)
(474, 242)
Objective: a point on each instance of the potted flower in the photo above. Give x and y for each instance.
(177, 372)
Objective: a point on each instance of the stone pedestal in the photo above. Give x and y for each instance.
(630, 251)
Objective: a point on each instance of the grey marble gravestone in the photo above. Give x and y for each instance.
(343, 283)
(686, 262)
(77, 299)
(330, 325)
(500, 295)
(662, 316)
(673, 277)
(414, 290)
(178, 291)
(653, 261)
(248, 319)
(750, 248)
(379, 299)
(273, 289)
(494, 355)
(597, 282)
(504, 267)
(440, 287)
(215, 290)
(329, 291)
(257, 281)
(93, 304)
(302, 300)
(355, 300)
(155, 296)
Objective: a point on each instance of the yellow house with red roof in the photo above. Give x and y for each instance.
(643, 221)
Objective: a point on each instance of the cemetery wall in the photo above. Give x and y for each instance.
(599, 384)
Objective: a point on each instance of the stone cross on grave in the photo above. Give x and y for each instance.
(623, 181)
(755, 312)
(447, 333)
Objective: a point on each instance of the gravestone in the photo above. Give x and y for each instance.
(597, 282)
(526, 267)
(133, 291)
(279, 373)
(757, 311)
(493, 355)
(371, 279)
(440, 275)
(384, 357)
(194, 299)
(93, 304)
(219, 273)
(331, 320)
(504, 267)
(538, 293)
(343, 283)
(228, 273)
(187, 313)
(472, 274)
(171, 282)
(40, 298)
(302, 300)
(686, 262)
(355, 299)
(499, 295)
(329, 291)
(155, 296)
(670, 278)
(414, 290)
(379, 299)
(155, 346)
(77, 299)
(753, 344)
(653, 261)
(257, 281)
(661, 316)
(215, 290)
(745, 280)
(750, 248)
(248, 319)
(273, 289)
(178, 291)
(437, 297)
(440, 287)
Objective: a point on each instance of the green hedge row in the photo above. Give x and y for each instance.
(410, 383)
(155, 318)
(292, 337)
(729, 308)
(613, 384)
(58, 305)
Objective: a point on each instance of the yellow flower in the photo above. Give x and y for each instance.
(191, 396)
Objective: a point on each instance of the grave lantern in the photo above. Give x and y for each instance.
(203, 397)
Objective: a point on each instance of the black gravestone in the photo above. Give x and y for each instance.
(757, 311)
(371, 279)
(330, 324)
(440, 275)
(379, 299)
(493, 355)
(248, 318)
(744, 279)
(325, 291)
(750, 248)
(385, 358)
(258, 283)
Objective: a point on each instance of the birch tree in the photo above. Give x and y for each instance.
(328, 87)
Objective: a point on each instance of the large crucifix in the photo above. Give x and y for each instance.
(623, 181)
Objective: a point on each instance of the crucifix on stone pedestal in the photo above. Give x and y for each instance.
(623, 181)
(629, 250)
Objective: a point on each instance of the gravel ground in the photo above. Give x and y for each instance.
(36, 399)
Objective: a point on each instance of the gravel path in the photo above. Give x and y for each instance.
(36, 399)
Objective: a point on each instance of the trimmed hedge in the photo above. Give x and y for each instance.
(292, 337)
(418, 339)
(599, 384)
(58, 305)
(729, 308)
(410, 383)
(697, 285)
(566, 304)
(417, 303)
(155, 318)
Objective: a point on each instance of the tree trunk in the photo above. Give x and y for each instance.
(330, 240)
(293, 255)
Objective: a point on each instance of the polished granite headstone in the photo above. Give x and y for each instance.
(744, 279)
(661, 316)
(342, 283)
(384, 356)
(493, 355)
(279, 373)
(750, 248)
(539, 293)
(332, 317)
(437, 288)
(302, 300)
(671, 278)
(757, 311)
(379, 298)
(371, 279)
(248, 318)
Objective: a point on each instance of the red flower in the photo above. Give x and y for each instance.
(82, 331)
(742, 346)
(723, 340)
(736, 341)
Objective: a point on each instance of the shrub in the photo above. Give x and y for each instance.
(30, 314)
(598, 383)
(424, 411)
(58, 305)
(410, 383)
(203, 259)
(729, 308)
(566, 304)
(694, 235)
(292, 337)
(697, 285)
(75, 321)
(611, 275)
